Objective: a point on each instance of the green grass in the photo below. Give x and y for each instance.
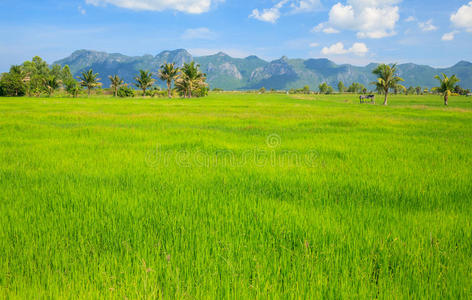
(235, 196)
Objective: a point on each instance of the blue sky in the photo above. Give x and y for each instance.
(434, 32)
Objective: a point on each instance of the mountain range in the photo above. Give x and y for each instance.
(252, 72)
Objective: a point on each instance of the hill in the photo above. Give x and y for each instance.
(252, 72)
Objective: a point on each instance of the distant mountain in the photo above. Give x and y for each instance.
(226, 72)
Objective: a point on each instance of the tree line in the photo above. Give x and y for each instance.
(36, 78)
(388, 82)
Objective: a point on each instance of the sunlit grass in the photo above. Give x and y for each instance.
(235, 196)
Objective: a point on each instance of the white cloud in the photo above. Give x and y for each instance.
(463, 17)
(323, 27)
(427, 26)
(303, 6)
(272, 14)
(358, 49)
(314, 45)
(449, 36)
(369, 18)
(187, 6)
(201, 33)
(410, 19)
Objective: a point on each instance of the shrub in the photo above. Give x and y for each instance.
(125, 92)
(201, 91)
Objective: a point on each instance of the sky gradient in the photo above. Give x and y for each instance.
(436, 33)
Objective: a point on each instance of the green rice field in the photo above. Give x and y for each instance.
(235, 196)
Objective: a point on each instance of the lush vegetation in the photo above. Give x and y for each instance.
(235, 196)
(36, 78)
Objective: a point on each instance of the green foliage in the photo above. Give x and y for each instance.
(201, 91)
(115, 83)
(356, 88)
(144, 81)
(387, 79)
(125, 92)
(13, 83)
(37, 71)
(190, 80)
(262, 90)
(89, 80)
(169, 73)
(52, 83)
(72, 87)
(324, 88)
(341, 87)
(446, 84)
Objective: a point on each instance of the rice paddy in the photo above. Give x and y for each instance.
(235, 196)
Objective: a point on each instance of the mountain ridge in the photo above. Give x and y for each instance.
(252, 72)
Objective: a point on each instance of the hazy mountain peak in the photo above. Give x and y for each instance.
(226, 72)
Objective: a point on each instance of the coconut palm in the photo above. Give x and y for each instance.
(388, 79)
(21, 77)
(116, 82)
(89, 80)
(182, 85)
(169, 73)
(144, 80)
(191, 77)
(52, 83)
(447, 85)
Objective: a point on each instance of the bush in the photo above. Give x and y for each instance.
(201, 91)
(125, 92)
(154, 91)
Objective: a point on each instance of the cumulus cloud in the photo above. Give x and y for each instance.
(324, 27)
(410, 19)
(187, 6)
(449, 36)
(314, 45)
(359, 49)
(201, 33)
(272, 14)
(427, 26)
(463, 17)
(369, 18)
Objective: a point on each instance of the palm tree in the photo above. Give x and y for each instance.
(144, 80)
(19, 72)
(169, 73)
(116, 82)
(182, 85)
(388, 79)
(192, 77)
(447, 85)
(89, 80)
(51, 84)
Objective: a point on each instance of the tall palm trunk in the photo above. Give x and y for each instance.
(89, 90)
(386, 98)
(446, 98)
(168, 89)
(115, 92)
